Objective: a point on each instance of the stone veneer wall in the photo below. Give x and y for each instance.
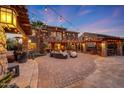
(3, 59)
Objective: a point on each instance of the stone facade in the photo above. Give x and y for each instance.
(54, 36)
(3, 59)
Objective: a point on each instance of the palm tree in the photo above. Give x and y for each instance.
(39, 25)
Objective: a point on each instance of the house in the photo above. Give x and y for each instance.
(103, 45)
(13, 19)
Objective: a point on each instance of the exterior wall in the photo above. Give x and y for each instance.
(102, 42)
(84, 47)
(3, 59)
(120, 48)
(56, 35)
(24, 24)
(104, 49)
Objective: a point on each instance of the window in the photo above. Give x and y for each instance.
(8, 16)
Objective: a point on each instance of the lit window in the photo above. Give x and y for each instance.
(8, 16)
(3, 16)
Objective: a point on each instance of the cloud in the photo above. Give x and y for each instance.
(118, 11)
(84, 12)
(101, 22)
(115, 31)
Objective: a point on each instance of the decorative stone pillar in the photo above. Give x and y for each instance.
(3, 59)
(84, 47)
(119, 48)
(104, 49)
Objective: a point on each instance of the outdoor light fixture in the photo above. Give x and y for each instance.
(103, 44)
(20, 41)
(8, 17)
(29, 41)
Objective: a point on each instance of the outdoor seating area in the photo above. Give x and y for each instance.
(73, 54)
(63, 55)
(17, 56)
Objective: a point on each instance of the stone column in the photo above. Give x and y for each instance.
(25, 43)
(3, 59)
(120, 48)
(104, 49)
(84, 47)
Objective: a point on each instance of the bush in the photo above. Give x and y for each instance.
(5, 81)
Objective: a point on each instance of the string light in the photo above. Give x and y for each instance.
(61, 17)
(45, 9)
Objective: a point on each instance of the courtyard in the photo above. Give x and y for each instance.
(84, 71)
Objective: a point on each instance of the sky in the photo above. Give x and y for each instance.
(103, 19)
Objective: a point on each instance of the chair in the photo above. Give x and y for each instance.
(14, 69)
(73, 55)
(23, 58)
(60, 56)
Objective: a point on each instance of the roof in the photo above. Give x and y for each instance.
(73, 32)
(102, 36)
(22, 19)
(48, 27)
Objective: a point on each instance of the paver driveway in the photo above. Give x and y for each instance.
(64, 72)
(84, 71)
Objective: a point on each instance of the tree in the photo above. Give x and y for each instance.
(37, 24)
(43, 47)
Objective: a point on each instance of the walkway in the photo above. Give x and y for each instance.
(28, 75)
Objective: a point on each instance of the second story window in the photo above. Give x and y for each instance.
(8, 16)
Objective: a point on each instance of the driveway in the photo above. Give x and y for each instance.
(109, 73)
(64, 72)
(84, 71)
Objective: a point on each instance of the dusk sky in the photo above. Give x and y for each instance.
(96, 19)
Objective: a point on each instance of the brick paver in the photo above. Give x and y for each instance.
(64, 72)
(109, 73)
(84, 71)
